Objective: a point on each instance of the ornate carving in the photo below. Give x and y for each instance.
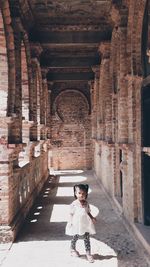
(36, 50)
(74, 8)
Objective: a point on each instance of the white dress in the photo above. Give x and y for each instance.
(81, 222)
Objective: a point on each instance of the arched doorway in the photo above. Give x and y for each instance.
(71, 143)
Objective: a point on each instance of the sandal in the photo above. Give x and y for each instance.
(75, 253)
(90, 258)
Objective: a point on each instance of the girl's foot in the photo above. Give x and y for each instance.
(75, 253)
(90, 258)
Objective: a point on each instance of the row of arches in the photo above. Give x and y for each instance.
(120, 124)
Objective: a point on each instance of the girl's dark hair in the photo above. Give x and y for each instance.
(83, 187)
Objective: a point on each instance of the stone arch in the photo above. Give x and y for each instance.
(3, 70)
(134, 35)
(9, 54)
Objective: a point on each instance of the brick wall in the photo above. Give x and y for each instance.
(118, 165)
(71, 143)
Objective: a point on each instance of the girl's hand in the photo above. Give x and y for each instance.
(94, 220)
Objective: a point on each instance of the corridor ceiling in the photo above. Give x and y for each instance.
(69, 32)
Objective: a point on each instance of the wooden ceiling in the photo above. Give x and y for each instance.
(69, 32)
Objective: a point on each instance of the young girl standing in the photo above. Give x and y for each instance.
(81, 222)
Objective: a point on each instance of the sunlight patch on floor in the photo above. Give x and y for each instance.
(56, 253)
(60, 213)
(64, 192)
(67, 172)
(72, 179)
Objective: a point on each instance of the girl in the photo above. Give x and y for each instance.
(81, 222)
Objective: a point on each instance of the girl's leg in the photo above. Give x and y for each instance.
(88, 247)
(73, 246)
(87, 243)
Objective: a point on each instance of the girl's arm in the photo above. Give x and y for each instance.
(91, 217)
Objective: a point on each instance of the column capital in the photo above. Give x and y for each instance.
(44, 72)
(104, 49)
(36, 50)
(35, 61)
(96, 70)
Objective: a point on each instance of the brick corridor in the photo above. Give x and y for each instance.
(42, 242)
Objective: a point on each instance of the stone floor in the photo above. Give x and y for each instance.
(42, 242)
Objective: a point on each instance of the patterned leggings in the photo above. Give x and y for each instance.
(87, 244)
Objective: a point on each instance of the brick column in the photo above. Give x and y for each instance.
(123, 93)
(50, 87)
(45, 101)
(9, 36)
(95, 100)
(6, 173)
(114, 118)
(105, 91)
(49, 113)
(33, 111)
(36, 51)
(40, 96)
(91, 85)
(120, 19)
(38, 101)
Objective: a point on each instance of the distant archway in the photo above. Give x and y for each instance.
(71, 136)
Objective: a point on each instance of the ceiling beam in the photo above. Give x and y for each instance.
(69, 36)
(69, 61)
(86, 76)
